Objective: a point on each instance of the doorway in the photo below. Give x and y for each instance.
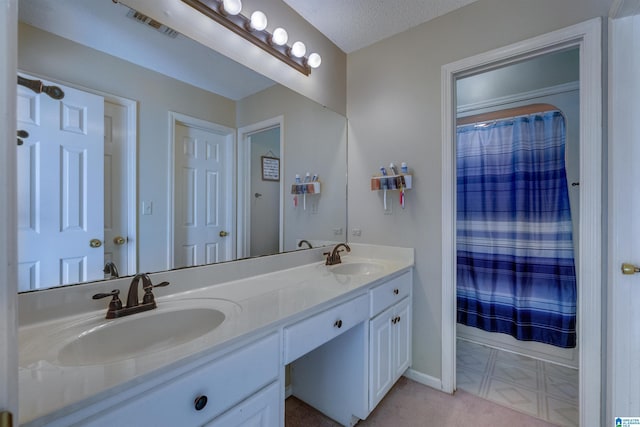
(586, 38)
(260, 194)
(264, 239)
(79, 155)
(201, 202)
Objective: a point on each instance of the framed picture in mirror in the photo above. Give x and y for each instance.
(270, 168)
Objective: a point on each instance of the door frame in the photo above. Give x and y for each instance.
(205, 125)
(131, 151)
(244, 183)
(587, 37)
(8, 224)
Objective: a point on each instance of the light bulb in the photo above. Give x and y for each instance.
(314, 60)
(298, 49)
(280, 36)
(232, 7)
(258, 20)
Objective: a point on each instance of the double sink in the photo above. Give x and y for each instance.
(92, 340)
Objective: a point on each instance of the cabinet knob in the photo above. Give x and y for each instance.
(200, 402)
(338, 324)
(396, 291)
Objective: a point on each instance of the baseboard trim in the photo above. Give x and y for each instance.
(424, 379)
(288, 391)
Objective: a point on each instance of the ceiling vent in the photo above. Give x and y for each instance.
(144, 19)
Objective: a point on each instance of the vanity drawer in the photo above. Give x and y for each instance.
(389, 293)
(224, 382)
(314, 331)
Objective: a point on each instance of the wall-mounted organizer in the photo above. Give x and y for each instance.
(310, 186)
(396, 181)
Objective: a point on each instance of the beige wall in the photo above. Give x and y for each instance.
(315, 140)
(326, 84)
(394, 111)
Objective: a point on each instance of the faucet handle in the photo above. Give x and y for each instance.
(161, 284)
(115, 303)
(114, 293)
(148, 297)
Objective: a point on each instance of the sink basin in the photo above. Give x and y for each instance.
(357, 268)
(139, 334)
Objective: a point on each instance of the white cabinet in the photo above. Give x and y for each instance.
(310, 333)
(260, 410)
(389, 341)
(203, 393)
(389, 349)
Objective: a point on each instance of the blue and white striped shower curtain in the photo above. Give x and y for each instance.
(515, 261)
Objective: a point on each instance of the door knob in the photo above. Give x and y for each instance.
(629, 268)
(95, 243)
(119, 240)
(223, 233)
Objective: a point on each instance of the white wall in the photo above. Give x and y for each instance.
(394, 110)
(317, 146)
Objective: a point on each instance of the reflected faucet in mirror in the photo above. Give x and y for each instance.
(111, 269)
(133, 306)
(333, 257)
(304, 242)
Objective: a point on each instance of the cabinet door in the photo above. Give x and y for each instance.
(401, 338)
(260, 410)
(380, 357)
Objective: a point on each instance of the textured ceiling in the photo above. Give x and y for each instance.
(354, 24)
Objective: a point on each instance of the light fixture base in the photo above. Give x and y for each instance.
(239, 24)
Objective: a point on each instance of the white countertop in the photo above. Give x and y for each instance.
(253, 306)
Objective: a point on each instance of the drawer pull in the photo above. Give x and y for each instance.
(396, 291)
(200, 402)
(338, 324)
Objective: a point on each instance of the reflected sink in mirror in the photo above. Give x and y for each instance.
(134, 335)
(357, 268)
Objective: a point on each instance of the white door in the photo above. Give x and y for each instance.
(117, 239)
(60, 186)
(202, 224)
(623, 326)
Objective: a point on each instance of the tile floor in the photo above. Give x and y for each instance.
(541, 389)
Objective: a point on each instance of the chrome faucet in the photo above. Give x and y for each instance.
(133, 305)
(302, 242)
(333, 257)
(111, 269)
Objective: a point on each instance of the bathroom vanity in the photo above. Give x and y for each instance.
(345, 330)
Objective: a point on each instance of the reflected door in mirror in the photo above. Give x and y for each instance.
(60, 189)
(202, 196)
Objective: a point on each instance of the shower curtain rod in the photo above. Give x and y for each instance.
(508, 113)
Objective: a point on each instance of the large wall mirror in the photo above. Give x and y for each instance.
(155, 157)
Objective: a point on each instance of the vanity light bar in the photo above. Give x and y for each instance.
(241, 25)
